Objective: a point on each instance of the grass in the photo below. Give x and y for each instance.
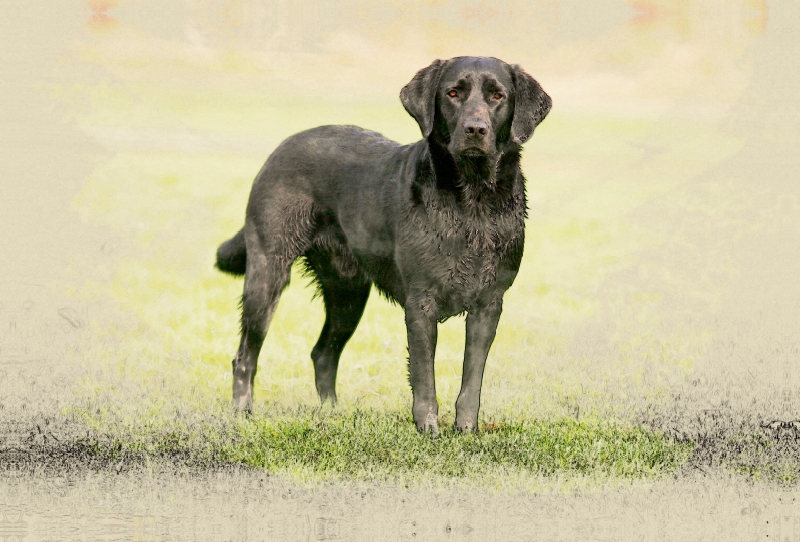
(595, 342)
(313, 445)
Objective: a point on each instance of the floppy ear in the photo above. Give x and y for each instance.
(531, 105)
(419, 96)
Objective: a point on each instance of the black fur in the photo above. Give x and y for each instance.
(437, 226)
(232, 255)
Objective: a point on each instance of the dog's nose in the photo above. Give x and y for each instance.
(476, 128)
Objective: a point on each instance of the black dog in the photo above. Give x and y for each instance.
(437, 226)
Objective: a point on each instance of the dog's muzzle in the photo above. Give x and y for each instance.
(474, 139)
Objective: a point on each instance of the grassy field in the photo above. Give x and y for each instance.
(584, 380)
(316, 445)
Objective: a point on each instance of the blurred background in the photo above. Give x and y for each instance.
(661, 260)
(660, 277)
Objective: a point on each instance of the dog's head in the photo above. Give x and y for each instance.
(475, 106)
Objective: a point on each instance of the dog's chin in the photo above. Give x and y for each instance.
(472, 153)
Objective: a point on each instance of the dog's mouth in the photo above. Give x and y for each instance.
(474, 151)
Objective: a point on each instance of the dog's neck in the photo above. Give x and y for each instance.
(477, 181)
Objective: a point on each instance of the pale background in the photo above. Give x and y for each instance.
(664, 213)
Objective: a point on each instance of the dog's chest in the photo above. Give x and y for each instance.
(457, 254)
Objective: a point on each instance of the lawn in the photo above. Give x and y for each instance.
(585, 363)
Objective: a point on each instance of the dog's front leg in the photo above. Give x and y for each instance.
(422, 332)
(481, 328)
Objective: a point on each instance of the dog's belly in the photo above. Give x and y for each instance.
(385, 276)
(369, 237)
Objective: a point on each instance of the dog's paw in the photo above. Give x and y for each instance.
(468, 427)
(429, 424)
(466, 424)
(243, 405)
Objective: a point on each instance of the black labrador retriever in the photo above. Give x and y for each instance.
(437, 226)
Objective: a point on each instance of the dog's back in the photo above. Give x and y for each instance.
(328, 159)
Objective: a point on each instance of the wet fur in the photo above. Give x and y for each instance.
(438, 231)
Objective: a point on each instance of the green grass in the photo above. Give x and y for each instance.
(312, 445)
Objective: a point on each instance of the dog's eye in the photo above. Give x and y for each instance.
(453, 93)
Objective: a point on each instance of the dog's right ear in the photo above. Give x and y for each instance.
(419, 96)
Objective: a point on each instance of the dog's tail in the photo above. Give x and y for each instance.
(232, 255)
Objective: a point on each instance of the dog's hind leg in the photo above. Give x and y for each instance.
(262, 289)
(269, 262)
(345, 298)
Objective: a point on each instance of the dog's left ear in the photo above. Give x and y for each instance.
(419, 96)
(531, 105)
